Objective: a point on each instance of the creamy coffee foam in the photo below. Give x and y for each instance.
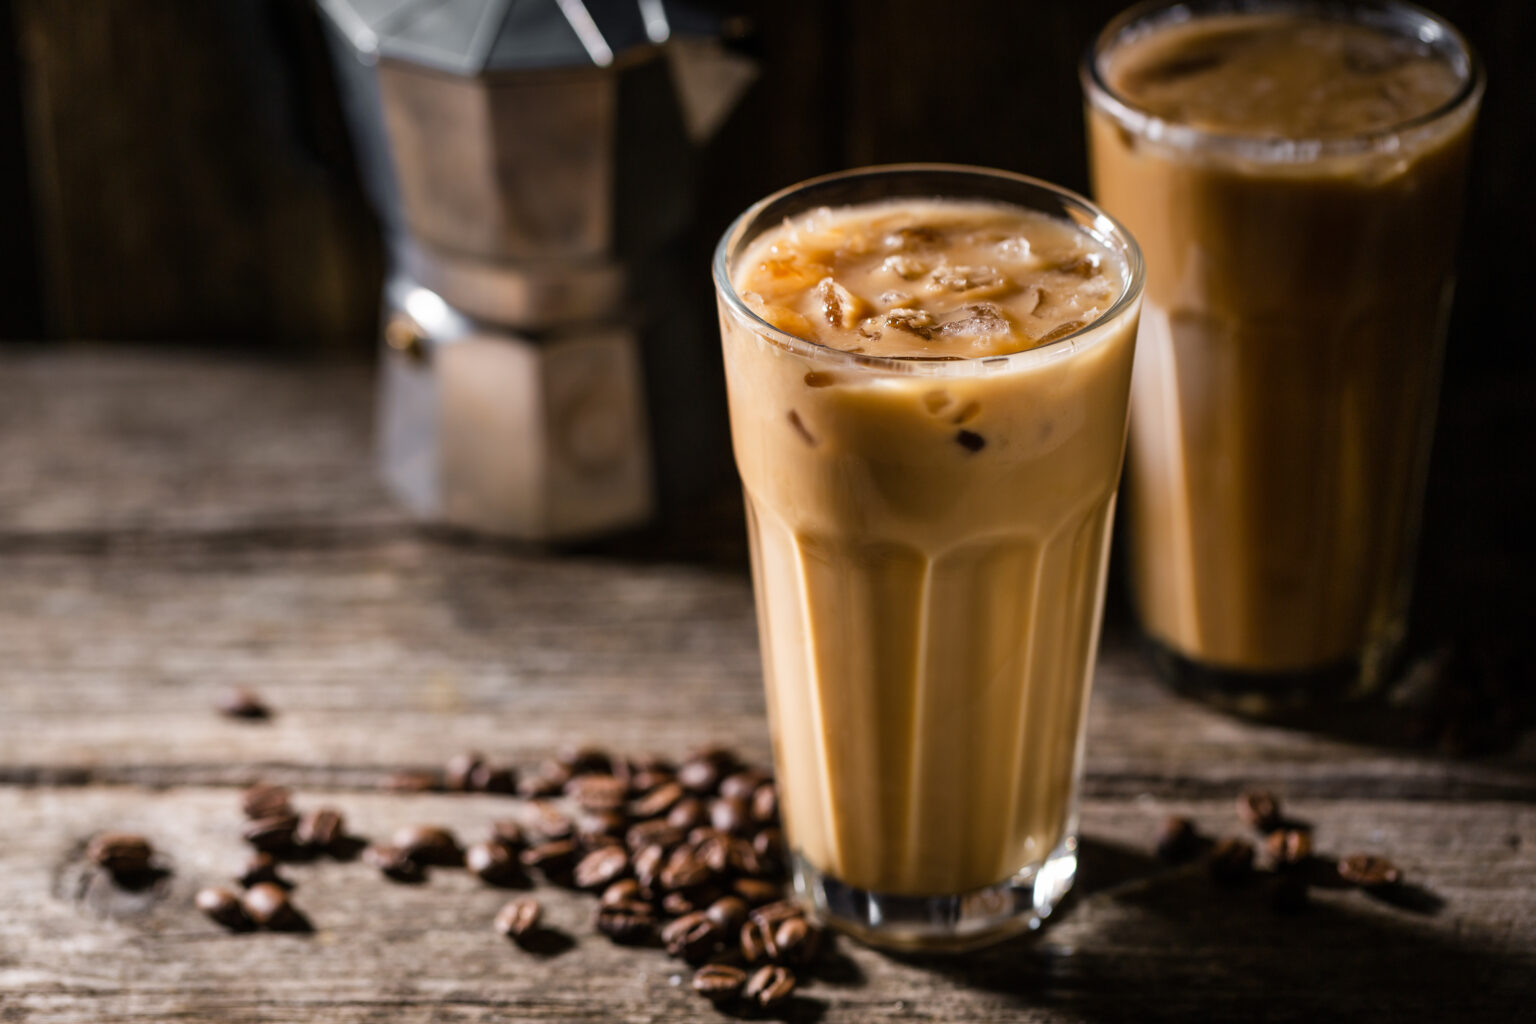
(928, 548)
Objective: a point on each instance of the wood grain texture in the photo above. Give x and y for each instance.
(172, 525)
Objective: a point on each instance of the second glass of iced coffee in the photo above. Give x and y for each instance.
(928, 371)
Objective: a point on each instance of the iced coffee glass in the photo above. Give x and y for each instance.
(928, 372)
(1294, 175)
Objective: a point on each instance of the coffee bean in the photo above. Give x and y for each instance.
(653, 833)
(601, 867)
(224, 907)
(548, 781)
(1178, 842)
(795, 941)
(1287, 893)
(321, 829)
(457, 772)
(1288, 846)
(493, 863)
(394, 862)
(429, 845)
(262, 867)
(274, 834)
(683, 870)
(723, 758)
(756, 891)
(658, 801)
(1259, 809)
(598, 792)
(728, 913)
(593, 828)
(765, 804)
(622, 891)
(268, 906)
(121, 853)
(677, 904)
(242, 703)
(555, 858)
(414, 782)
(630, 923)
(519, 919)
(686, 814)
(699, 776)
(730, 814)
(754, 942)
(772, 914)
(770, 986)
(648, 864)
(546, 820)
(1368, 870)
(583, 760)
(264, 800)
(769, 846)
(509, 834)
(644, 780)
(693, 937)
(489, 778)
(741, 785)
(719, 982)
(716, 854)
(1230, 860)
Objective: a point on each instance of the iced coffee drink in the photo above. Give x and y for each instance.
(1294, 175)
(928, 372)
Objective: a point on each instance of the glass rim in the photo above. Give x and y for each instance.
(1273, 149)
(1099, 224)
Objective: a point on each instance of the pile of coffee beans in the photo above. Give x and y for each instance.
(1292, 867)
(686, 856)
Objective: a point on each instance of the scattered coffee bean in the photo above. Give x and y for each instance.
(756, 891)
(683, 870)
(598, 792)
(583, 760)
(728, 913)
(653, 833)
(555, 858)
(658, 801)
(730, 814)
(594, 828)
(1231, 860)
(699, 776)
(600, 867)
(765, 804)
(509, 834)
(490, 778)
(693, 937)
(274, 834)
(676, 904)
(1259, 809)
(719, 982)
(394, 862)
(492, 862)
(754, 942)
(414, 782)
(648, 864)
(224, 907)
(770, 986)
(262, 867)
(242, 703)
(741, 785)
(519, 918)
(264, 800)
(1288, 846)
(268, 906)
(548, 781)
(121, 853)
(1178, 842)
(794, 941)
(457, 772)
(687, 813)
(429, 845)
(771, 914)
(630, 923)
(769, 846)
(1368, 870)
(622, 891)
(546, 821)
(321, 829)
(1287, 893)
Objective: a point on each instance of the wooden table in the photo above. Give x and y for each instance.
(175, 524)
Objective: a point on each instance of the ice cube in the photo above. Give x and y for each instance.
(913, 321)
(1015, 247)
(916, 236)
(1061, 331)
(895, 298)
(908, 268)
(1084, 265)
(841, 307)
(981, 320)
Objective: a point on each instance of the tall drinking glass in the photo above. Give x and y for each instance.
(928, 542)
(1294, 173)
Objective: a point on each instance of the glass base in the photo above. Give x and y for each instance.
(941, 924)
(1273, 695)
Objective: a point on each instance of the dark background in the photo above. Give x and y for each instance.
(177, 171)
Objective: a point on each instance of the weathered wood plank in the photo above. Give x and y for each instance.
(1138, 941)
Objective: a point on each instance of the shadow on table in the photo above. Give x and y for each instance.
(1173, 945)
